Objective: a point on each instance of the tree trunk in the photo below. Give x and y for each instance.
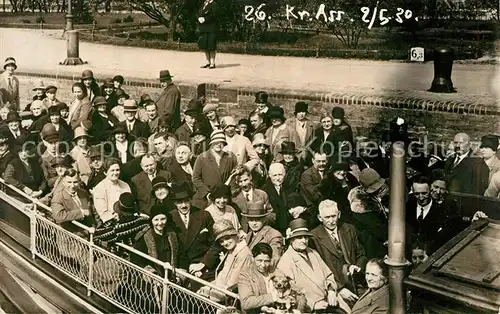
(107, 6)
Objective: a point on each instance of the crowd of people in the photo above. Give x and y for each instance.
(285, 211)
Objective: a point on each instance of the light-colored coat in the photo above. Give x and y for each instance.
(82, 164)
(313, 280)
(270, 236)
(231, 265)
(105, 194)
(287, 134)
(11, 97)
(373, 302)
(310, 127)
(242, 147)
(80, 113)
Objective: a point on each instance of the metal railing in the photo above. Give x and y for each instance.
(115, 279)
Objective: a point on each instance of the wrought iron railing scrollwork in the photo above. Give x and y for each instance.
(122, 283)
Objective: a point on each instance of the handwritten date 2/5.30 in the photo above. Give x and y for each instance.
(369, 15)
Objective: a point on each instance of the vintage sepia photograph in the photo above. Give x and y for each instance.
(250, 156)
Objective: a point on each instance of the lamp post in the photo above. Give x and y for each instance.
(72, 43)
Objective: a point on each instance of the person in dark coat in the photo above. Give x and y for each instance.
(135, 127)
(103, 123)
(25, 173)
(337, 186)
(160, 194)
(108, 92)
(260, 172)
(169, 101)
(342, 133)
(96, 164)
(120, 145)
(183, 133)
(258, 124)
(90, 85)
(293, 166)
(6, 155)
(207, 27)
(181, 166)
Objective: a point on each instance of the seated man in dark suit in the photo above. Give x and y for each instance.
(466, 173)
(429, 221)
(181, 166)
(131, 124)
(340, 248)
(141, 183)
(198, 252)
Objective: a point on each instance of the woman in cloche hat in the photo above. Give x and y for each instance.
(158, 240)
(80, 154)
(236, 257)
(103, 122)
(90, 85)
(219, 209)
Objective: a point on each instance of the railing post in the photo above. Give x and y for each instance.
(33, 232)
(91, 261)
(164, 297)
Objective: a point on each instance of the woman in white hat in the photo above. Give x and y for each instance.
(80, 154)
(9, 84)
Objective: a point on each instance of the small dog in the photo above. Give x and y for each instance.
(290, 300)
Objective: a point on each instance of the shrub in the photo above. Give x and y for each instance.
(117, 20)
(128, 19)
(40, 19)
(26, 21)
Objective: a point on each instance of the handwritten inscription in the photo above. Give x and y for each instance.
(370, 16)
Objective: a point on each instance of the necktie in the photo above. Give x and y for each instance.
(247, 197)
(421, 216)
(77, 200)
(278, 188)
(129, 127)
(185, 220)
(11, 88)
(457, 161)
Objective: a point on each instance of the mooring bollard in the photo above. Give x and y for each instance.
(443, 64)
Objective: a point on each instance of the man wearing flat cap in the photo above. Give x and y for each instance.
(169, 102)
(9, 84)
(51, 99)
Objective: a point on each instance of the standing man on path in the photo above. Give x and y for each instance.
(169, 102)
(9, 84)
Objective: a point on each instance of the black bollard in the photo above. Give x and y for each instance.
(443, 64)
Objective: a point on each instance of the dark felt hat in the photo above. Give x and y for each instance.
(108, 83)
(338, 113)
(51, 89)
(64, 161)
(194, 108)
(119, 79)
(370, 180)
(49, 133)
(12, 116)
(288, 148)
(301, 107)
(261, 97)
(4, 136)
(119, 129)
(298, 227)
(95, 151)
(340, 166)
(159, 182)
(125, 204)
(159, 209)
(144, 98)
(220, 190)
(199, 129)
(180, 192)
(87, 74)
(54, 110)
(255, 210)
(276, 113)
(99, 100)
(165, 75)
(490, 141)
(63, 106)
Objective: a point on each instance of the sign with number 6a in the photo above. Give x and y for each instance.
(417, 54)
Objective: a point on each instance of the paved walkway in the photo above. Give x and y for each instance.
(43, 50)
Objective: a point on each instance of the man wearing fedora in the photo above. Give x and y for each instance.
(213, 167)
(14, 128)
(169, 101)
(304, 127)
(141, 184)
(96, 165)
(370, 212)
(309, 272)
(10, 84)
(183, 133)
(50, 139)
(195, 235)
(238, 144)
(259, 231)
(134, 127)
